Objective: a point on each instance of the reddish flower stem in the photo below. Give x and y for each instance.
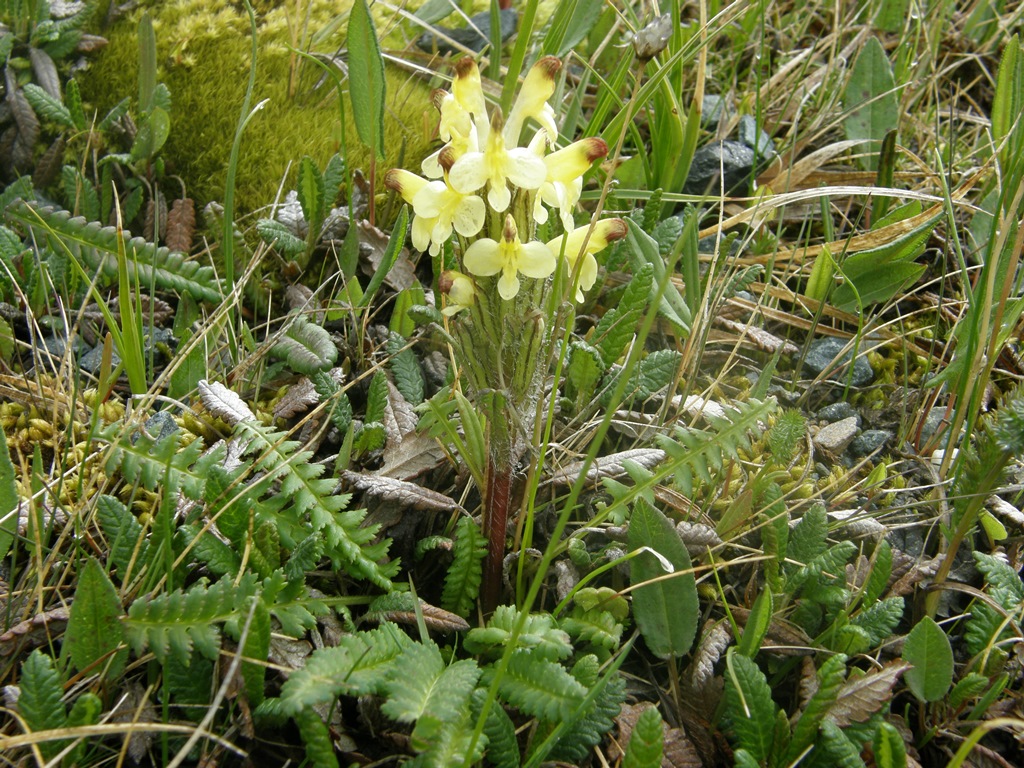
(496, 509)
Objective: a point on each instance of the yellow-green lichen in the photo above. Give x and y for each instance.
(203, 56)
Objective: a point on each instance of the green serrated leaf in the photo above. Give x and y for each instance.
(405, 367)
(666, 609)
(888, 747)
(462, 583)
(39, 702)
(748, 702)
(646, 742)
(46, 106)
(306, 347)
(255, 651)
(94, 631)
(366, 78)
(421, 686)
(317, 739)
(541, 688)
(124, 534)
(277, 235)
(928, 649)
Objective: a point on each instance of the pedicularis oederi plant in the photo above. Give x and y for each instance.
(486, 194)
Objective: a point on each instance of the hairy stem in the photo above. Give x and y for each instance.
(496, 509)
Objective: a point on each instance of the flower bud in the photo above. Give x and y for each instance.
(653, 39)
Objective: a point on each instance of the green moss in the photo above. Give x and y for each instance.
(203, 52)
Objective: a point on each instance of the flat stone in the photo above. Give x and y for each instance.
(837, 412)
(93, 359)
(869, 441)
(824, 351)
(834, 438)
(727, 159)
(475, 36)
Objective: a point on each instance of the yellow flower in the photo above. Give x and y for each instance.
(438, 209)
(572, 245)
(460, 290)
(564, 181)
(487, 257)
(496, 166)
(532, 101)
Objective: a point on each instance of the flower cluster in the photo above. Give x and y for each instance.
(491, 191)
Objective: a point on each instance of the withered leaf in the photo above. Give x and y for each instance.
(402, 492)
(678, 751)
(764, 341)
(612, 465)
(862, 696)
(714, 639)
(411, 457)
(400, 607)
(399, 417)
(35, 632)
(222, 402)
(402, 274)
(181, 225)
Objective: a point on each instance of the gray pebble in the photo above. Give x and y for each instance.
(869, 441)
(727, 159)
(475, 36)
(837, 412)
(824, 351)
(834, 438)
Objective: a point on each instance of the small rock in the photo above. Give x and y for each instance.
(712, 107)
(476, 36)
(159, 425)
(869, 441)
(834, 438)
(755, 138)
(823, 352)
(93, 359)
(729, 158)
(837, 412)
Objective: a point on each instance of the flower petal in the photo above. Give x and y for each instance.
(483, 258)
(498, 196)
(421, 232)
(535, 260)
(430, 199)
(469, 216)
(537, 88)
(469, 173)
(574, 160)
(525, 169)
(508, 284)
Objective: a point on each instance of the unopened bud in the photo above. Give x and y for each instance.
(653, 39)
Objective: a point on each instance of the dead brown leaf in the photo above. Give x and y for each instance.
(401, 492)
(863, 695)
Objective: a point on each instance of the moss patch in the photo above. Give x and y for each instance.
(203, 52)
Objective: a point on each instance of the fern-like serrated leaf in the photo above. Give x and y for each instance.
(539, 636)
(358, 665)
(831, 677)
(749, 706)
(595, 627)
(616, 327)
(143, 459)
(646, 742)
(306, 347)
(421, 688)
(218, 555)
(462, 584)
(698, 452)
(834, 750)
(305, 501)
(175, 622)
(540, 688)
(97, 246)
